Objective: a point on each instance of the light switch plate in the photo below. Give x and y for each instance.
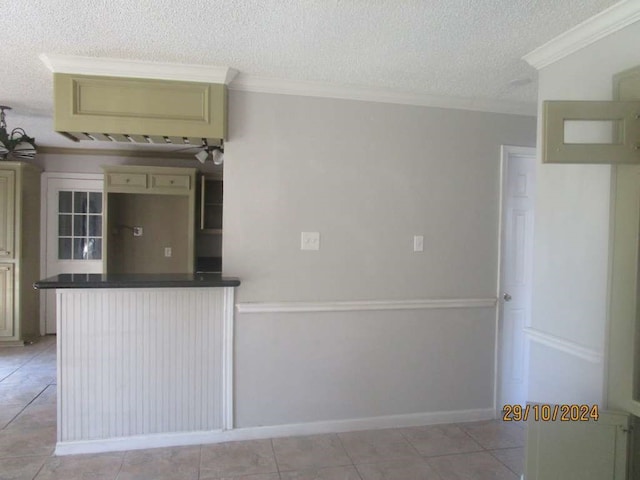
(167, 252)
(418, 243)
(310, 241)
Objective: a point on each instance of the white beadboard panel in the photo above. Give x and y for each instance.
(422, 304)
(142, 361)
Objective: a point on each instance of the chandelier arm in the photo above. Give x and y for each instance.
(12, 144)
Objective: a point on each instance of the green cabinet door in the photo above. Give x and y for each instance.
(6, 300)
(578, 450)
(7, 188)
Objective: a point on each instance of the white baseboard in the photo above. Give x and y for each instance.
(255, 433)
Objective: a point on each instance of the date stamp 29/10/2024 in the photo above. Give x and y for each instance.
(550, 413)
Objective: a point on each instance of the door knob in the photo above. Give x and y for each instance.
(506, 297)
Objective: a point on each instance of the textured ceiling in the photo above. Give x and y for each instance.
(459, 48)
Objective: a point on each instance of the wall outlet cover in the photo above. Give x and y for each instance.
(137, 231)
(310, 241)
(418, 243)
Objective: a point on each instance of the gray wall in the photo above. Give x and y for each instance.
(367, 176)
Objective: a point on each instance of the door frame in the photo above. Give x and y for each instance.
(44, 240)
(505, 152)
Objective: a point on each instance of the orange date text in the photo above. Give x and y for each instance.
(543, 412)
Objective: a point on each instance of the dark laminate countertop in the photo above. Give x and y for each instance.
(136, 280)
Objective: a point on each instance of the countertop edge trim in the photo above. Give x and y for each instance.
(138, 284)
(348, 306)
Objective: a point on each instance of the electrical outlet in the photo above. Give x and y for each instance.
(137, 231)
(418, 243)
(167, 251)
(310, 241)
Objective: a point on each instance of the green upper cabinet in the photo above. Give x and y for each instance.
(7, 188)
(148, 219)
(141, 110)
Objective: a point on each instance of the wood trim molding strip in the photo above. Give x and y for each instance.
(227, 359)
(424, 304)
(256, 433)
(120, 67)
(258, 84)
(591, 30)
(558, 343)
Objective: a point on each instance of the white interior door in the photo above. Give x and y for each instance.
(73, 206)
(516, 262)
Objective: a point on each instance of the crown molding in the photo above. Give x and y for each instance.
(118, 67)
(605, 23)
(258, 84)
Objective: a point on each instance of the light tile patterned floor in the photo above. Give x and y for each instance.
(472, 451)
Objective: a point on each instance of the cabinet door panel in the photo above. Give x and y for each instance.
(171, 182)
(6, 300)
(7, 186)
(589, 450)
(591, 132)
(125, 181)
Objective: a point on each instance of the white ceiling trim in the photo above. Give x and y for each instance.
(257, 84)
(605, 23)
(117, 67)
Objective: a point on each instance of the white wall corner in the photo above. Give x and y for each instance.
(120, 67)
(605, 23)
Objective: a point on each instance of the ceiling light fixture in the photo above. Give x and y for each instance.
(209, 151)
(16, 144)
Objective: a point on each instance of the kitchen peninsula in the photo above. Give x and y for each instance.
(143, 359)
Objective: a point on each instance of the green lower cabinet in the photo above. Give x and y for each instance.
(578, 450)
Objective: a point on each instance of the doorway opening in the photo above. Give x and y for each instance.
(72, 232)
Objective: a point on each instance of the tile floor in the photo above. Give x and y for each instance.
(472, 451)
